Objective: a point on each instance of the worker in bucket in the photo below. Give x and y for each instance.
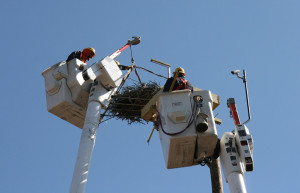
(84, 56)
(178, 82)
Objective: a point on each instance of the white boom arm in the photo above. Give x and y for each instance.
(236, 152)
(108, 73)
(98, 97)
(231, 164)
(71, 97)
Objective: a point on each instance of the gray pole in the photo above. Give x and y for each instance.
(247, 97)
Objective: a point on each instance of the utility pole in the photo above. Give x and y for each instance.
(216, 176)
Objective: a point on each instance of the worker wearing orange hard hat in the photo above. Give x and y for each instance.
(85, 55)
(178, 82)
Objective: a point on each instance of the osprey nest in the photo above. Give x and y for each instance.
(128, 103)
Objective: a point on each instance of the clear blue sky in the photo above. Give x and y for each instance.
(207, 38)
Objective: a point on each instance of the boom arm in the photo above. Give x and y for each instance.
(106, 70)
(236, 151)
(135, 41)
(243, 137)
(237, 147)
(108, 73)
(233, 111)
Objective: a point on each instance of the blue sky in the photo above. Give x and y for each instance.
(207, 38)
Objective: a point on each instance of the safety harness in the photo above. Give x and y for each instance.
(181, 85)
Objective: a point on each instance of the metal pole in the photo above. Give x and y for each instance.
(247, 97)
(87, 142)
(236, 72)
(216, 176)
(163, 64)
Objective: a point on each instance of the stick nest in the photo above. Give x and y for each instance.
(127, 104)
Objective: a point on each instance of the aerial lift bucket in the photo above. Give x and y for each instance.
(179, 116)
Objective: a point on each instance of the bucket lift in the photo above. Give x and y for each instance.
(68, 85)
(237, 147)
(187, 128)
(67, 92)
(76, 93)
(186, 125)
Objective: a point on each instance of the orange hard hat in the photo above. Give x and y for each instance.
(92, 50)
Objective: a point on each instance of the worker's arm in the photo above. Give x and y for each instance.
(73, 55)
(168, 84)
(189, 86)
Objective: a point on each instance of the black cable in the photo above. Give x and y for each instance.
(151, 72)
(191, 120)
